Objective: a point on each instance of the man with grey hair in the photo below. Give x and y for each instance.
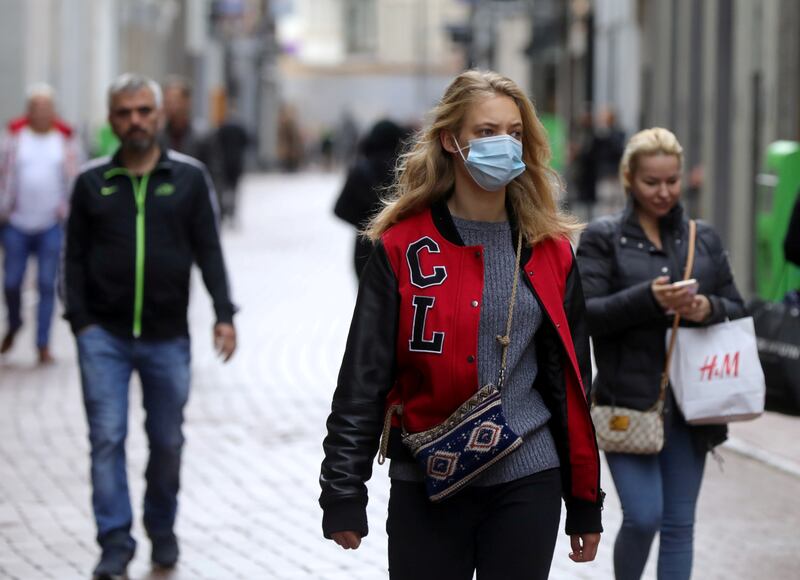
(138, 222)
(39, 157)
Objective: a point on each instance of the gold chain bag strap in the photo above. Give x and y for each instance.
(473, 438)
(623, 430)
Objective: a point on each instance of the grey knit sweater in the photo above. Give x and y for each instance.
(525, 411)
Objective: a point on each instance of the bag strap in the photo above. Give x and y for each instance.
(387, 427)
(505, 340)
(687, 273)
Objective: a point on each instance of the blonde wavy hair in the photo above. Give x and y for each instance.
(425, 172)
(653, 141)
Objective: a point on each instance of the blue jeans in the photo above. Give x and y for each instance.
(658, 494)
(107, 362)
(19, 246)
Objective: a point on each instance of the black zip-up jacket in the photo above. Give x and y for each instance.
(628, 327)
(131, 241)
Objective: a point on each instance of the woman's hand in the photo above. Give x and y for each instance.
(584, 547)
(347, 540)
(671, 299)
(697, 311)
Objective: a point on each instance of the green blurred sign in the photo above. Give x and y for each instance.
(778, 186)
(106, 143)
(557, 136)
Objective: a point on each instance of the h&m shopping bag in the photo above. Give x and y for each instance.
(715, 373)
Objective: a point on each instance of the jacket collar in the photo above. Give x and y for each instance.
(447, 228)
(444, 221)
(164, 163)
(672, 222)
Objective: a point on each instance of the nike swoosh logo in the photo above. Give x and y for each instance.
(108, 190)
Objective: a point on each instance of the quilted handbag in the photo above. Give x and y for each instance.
(623, 430)
(472, 439)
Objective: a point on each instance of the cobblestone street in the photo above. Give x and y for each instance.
(254, 430)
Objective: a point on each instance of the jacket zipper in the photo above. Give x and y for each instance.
(139, 195)
(140, 190)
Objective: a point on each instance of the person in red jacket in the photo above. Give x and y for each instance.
(432, 300)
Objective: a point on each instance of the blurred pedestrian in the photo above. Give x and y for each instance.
(346, 139)
(290, 140)
(607, 147)
(40, 156)
(326, 148)
(629, 262)
(138, 221)
(474, 210)
(180, 132)
(583, 170)
(367, 180)
(227, 155)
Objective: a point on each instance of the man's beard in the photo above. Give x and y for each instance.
(139, 144)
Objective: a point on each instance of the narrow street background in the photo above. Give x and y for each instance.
(254, 431)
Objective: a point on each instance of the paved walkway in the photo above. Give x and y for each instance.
(254, 431)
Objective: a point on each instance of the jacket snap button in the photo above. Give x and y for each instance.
(474, 303)
(558, 325)
(623, 240)
(664, 270)
(470, 359)
(641, 245)
(477, 254)
(678, 241)
(530, 273)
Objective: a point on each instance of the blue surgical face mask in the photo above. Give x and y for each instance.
(493, 161)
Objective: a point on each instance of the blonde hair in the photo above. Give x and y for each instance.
(425, 173)
(654, 141)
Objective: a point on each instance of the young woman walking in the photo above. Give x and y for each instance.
(471, 234)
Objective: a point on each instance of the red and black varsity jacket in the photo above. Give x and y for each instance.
(413, 340)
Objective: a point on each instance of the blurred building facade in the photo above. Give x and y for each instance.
(79, 46)
(724, 75)
(367, 58)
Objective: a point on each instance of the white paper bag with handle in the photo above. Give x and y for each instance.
(715, 373)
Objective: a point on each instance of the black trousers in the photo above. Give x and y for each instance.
(505, 532)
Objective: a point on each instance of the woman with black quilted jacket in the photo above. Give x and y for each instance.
(629, 264)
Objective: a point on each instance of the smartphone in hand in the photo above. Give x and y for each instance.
(691, 285)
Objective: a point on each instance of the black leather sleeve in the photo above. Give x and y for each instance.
(356, 418)
(610, 311)
(575, 308)
(583, 517)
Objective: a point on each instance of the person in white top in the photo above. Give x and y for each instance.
(39, 157)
